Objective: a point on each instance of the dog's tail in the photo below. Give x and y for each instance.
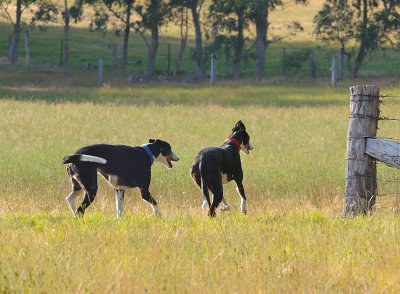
(83, 157)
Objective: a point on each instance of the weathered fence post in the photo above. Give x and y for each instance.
(213, 69)
(114, 53)
(10, 46)
(312, 63)
(27, 56)
(334, 71)
(100, 73)
(361, 186)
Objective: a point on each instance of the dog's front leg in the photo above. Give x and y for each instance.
(119, 201)
(243, 204)
(146, 196)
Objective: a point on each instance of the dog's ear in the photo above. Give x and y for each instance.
(239, 127)
(151, 140)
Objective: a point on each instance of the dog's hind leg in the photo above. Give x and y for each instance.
(225, 205)
(215, 185)
(119, 199)
(146, 196)
(88, 179)
(71, 197)
(76, 186)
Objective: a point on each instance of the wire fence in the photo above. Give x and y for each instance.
(388, 179)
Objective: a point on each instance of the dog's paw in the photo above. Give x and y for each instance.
(204, 205)
(225, 208)
(244, 211)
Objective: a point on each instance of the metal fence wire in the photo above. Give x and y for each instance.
(388, 178)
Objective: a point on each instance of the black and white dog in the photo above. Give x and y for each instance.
(123, 167)
(216, 166)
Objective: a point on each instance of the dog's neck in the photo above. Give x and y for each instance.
(234, 140)
(149, 152)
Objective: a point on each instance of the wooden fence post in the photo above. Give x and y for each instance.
(114, 53)
(361, 187)
(334, 71)
(213, 69)
(27, 56)
(312, 63)
(100, 73)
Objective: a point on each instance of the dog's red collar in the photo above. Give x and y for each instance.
(234, 141)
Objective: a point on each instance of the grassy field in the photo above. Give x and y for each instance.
(292, 240)
(88, 46)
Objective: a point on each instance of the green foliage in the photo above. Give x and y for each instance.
(369, 24)
(293, 61)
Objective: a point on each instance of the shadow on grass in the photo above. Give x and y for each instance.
(228, 94)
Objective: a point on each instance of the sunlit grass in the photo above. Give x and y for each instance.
(292, 240)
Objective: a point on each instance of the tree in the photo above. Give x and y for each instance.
(259, 14)
(153, 14)
(181, 15)
(227, 17)
(195, 7)
(119, 13)
(42, 8)
(74, 12)
(260, 17)
(368, 24)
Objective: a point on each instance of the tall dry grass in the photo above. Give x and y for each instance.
(292, 239)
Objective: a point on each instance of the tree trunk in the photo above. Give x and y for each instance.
(237, 56)
(152, 52)
(27, 55)
(359, 59)
(362, 51)
(17, 29)
(66, 37)
(124, 58)
(201, 72)
(180, 54)
(261, 36)
(184, 35)
(228, 60)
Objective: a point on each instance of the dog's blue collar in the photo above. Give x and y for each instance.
(149, 153)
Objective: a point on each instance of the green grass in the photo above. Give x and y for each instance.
(292, 239)
(88, 46)
(300, 252)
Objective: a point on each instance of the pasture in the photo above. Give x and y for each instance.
(291, 240)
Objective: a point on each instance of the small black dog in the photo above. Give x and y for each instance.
(216, 166)
(123, 167)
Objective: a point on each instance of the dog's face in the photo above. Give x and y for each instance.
(166, 155)
(239, 131)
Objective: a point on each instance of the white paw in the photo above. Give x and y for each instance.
(204, 205)
(225, 208)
